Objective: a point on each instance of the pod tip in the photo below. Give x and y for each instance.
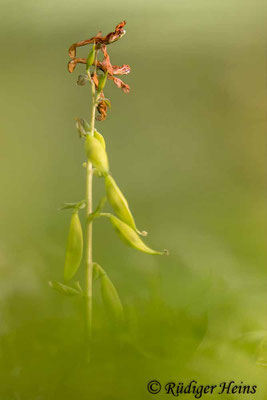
(166, 252)
(143, 233)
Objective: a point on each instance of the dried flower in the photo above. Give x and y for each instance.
(100, 44)
(100, 40)
(102, 109)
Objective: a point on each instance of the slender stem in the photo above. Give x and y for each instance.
(89, 224)
(89, 230)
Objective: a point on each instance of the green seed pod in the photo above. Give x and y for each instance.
(74, 247)
(111, 298)
(96, 154)
(130, 237)
(91, 58)
(119, 203)
(100, 138)
(102, 81)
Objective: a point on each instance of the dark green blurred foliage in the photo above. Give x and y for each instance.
(187, 148)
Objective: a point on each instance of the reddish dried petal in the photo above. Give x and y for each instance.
(99, 40)
(95, 80)
(106, 64)
(118, 82)
(72, 64)
(123, 70)
(114, 36)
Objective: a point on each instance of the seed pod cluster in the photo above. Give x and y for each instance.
(95, 148)
(74, 250)
(96, 154)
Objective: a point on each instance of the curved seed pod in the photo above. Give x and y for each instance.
(119, 203)
(91, 58)
(74, 247)
(130, 237)
(96, 154)
(100, 138)
(111, 298)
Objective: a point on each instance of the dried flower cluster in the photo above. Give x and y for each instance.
(105, 65)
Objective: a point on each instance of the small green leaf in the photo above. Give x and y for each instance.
(64, 289)
(85, 125)
(82, 126)
(82, 80)
(101, 205)
(78, 206)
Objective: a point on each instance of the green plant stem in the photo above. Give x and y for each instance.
(89, 232)
(89, 225)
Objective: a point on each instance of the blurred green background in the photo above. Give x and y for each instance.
(187, 147)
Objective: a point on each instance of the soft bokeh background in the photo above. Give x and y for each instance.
(187, 147)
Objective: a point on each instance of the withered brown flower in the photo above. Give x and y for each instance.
(100, 40)
(105, 65)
